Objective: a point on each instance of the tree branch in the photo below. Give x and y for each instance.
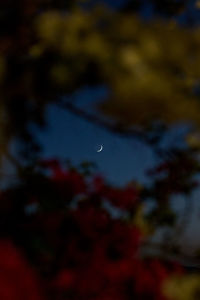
(115, 128)
(152, 249)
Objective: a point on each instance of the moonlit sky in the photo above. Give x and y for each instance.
(122, 159)
(70, 137)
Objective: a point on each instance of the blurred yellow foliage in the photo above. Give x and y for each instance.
(50, 27)
(151, 69)
(185, 287)
(60, 74)
(140, 221)
(198, 4)
(193, 140)
(36, 51)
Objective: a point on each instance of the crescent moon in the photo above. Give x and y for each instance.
(101, 148)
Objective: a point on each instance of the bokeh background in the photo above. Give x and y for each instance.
(118, 224)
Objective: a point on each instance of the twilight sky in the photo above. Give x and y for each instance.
(71, 137)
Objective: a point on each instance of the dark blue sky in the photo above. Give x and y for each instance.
(71, 137)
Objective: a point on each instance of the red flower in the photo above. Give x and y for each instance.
(92, 221)
(91, 255)
(76, 181)
(69, 183)
(123, 198)
(98, 184)
(149, 277)
(119, 271)
(17, 280)
(64, 279)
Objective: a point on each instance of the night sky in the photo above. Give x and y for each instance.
(73, 138)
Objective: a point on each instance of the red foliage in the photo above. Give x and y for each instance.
(80, 252)
(102, 262)
(17, 279)
(123, 198)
